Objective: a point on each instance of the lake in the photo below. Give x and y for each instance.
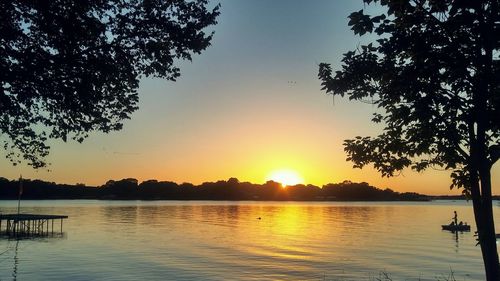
(219, 240)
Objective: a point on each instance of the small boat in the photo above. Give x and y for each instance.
(456, 227)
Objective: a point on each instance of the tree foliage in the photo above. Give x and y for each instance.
(68, 68)
(433, 75)
(425, 73)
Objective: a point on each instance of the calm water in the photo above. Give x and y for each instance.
(192, 240)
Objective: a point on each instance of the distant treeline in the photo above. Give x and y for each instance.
(231, 189)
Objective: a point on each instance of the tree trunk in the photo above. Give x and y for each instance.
(486, 92)
(483, 213)
(488, 237)
(487, 241)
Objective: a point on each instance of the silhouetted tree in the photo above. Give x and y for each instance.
(221, 190)
(69, 67)
(433, 74)
(232, 182)
(153, 189)
(122, 189)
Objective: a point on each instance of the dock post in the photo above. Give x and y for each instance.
(61, 225)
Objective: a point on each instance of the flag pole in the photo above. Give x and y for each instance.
(20, 193)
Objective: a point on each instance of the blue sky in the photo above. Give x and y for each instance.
(249, 104)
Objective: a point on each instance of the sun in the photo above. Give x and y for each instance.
(285, 177)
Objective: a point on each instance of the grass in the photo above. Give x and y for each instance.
(385, 276)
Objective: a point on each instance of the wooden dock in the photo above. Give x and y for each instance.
(29, 224)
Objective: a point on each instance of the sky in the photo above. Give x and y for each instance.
(249, 105)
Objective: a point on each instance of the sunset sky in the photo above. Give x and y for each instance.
(247, 106)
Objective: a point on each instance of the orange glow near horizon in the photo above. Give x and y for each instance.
(285, 177)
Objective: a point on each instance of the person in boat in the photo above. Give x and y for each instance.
(454, 219)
